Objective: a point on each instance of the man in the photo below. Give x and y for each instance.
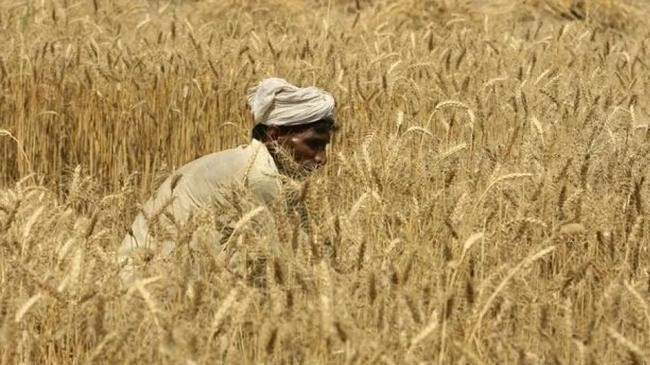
(293, 127)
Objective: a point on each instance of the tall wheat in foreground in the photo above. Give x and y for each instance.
(486, 199)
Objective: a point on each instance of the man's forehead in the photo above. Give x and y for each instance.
(319, 133)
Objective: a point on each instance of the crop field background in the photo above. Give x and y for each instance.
(486, 200)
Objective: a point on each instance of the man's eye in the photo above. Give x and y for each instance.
(318, 145)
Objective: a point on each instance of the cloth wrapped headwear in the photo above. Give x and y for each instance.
(275, 102)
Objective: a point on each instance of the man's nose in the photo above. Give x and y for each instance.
(320, 158)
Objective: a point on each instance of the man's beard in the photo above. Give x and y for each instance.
(287, 164)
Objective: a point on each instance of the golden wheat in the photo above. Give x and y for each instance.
(485, 201)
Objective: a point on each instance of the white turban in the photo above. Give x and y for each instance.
(275, 102)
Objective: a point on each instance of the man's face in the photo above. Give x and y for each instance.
(307, 147)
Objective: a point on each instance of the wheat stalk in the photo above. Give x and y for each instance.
(522, 265)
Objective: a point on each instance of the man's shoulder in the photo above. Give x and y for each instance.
(222, 163)
(225, 156)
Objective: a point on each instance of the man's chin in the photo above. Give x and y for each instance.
(304, 172)
(300, 171)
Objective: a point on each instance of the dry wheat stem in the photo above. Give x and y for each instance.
(502, 285)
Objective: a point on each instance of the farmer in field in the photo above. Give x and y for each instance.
(292, 129)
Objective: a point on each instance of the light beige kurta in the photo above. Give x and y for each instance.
(198, 185)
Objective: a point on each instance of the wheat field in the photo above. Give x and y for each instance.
(486, 200)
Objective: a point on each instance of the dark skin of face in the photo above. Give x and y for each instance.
(308, 147)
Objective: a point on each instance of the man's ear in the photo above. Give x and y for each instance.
(272, 133)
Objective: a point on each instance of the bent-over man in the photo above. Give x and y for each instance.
(293, 127)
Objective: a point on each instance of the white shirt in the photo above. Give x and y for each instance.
(199, 184)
